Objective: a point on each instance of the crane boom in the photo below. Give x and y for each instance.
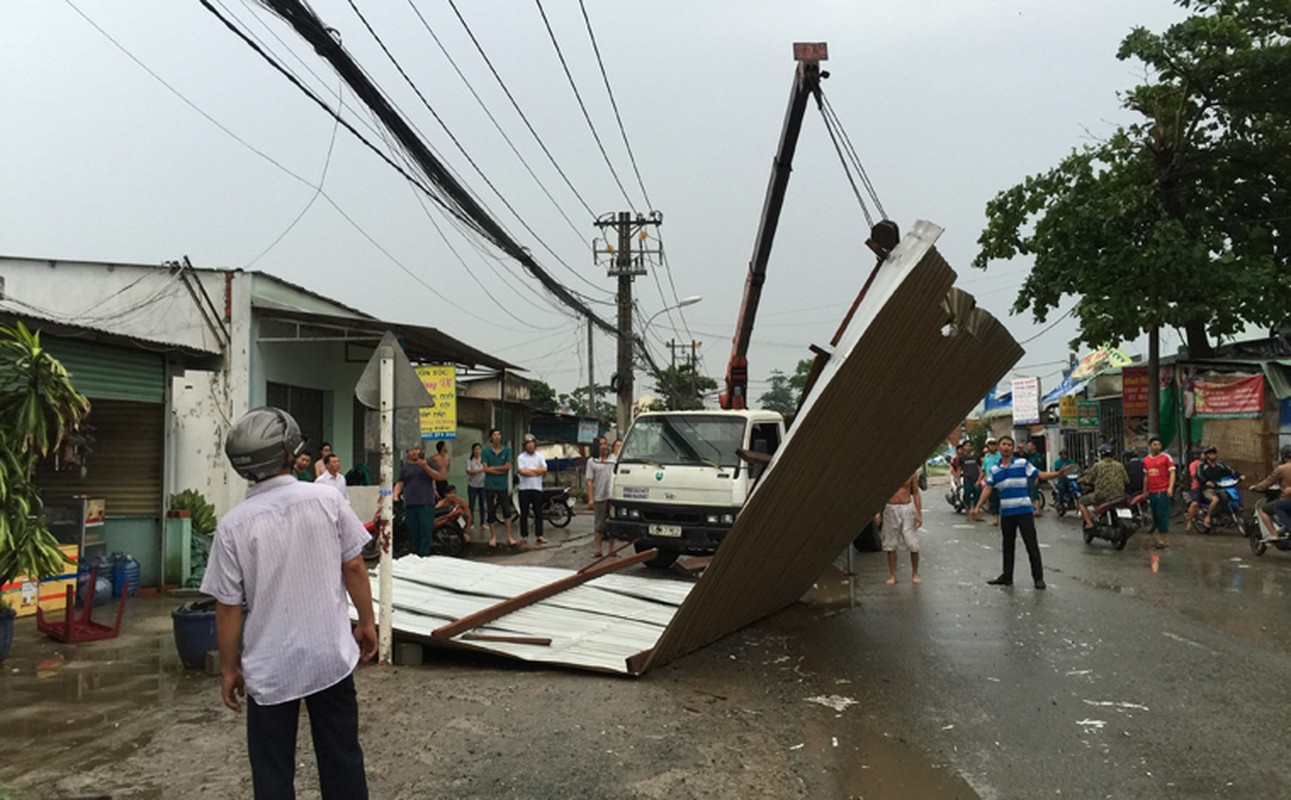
(806, 84)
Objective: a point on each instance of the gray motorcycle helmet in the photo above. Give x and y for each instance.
(263, 443)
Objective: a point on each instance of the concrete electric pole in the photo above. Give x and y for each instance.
(625, 264)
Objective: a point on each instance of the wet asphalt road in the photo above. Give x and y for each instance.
(1136, 674)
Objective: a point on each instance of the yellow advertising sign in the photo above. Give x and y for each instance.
(439, 422)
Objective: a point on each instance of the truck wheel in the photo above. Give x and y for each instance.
(559, 515)
(662, 560)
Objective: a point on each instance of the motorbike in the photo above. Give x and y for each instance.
(1113, 522)
(557, 505)
(448, 538)
(1260, 536)
(956, 498)
(1142, 511)
(1066, 494)
(1228, 515)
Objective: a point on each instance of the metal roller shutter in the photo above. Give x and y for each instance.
(111, 373)
(126, 465)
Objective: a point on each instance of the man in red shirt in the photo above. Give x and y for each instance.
(1158, 481)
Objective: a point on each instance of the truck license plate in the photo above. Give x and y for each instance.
(1124, 513)
(672, 531)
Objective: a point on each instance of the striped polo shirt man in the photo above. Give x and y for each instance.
(1009, 478)
(1011, 482)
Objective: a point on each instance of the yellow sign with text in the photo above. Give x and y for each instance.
(439, 422)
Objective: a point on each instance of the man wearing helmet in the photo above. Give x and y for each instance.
(290, 553)
(1109, 479)
(1209, 474)
(1281, 510)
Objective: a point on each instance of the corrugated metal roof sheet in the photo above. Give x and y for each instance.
(597, 626)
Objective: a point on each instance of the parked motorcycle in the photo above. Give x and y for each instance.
(1113, 522)
(1260, 535)
(1229, 514)
(557, 505)
(1142, 511)
(448, 538)
(1066, 494)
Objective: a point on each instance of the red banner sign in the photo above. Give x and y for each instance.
(1228, 396)
(1134, 391)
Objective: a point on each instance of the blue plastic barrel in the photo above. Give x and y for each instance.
(125, 575)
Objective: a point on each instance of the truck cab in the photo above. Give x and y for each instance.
(678, 484)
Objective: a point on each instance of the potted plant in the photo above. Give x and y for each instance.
(194, 621)
(39, 405)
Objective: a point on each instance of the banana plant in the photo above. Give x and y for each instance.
(38, 405)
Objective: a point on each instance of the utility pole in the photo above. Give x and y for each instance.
(625, 265)
(591, 379)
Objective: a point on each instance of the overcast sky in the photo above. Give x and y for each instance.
(947, 102)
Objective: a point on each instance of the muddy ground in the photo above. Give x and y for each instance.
(124, 719)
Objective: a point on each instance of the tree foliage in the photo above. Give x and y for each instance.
(780, 397)
(681, 388)
(576, 403)
(542, 395)
(38, 406)
(1181, 218)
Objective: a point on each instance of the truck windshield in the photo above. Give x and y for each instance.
(685, 439)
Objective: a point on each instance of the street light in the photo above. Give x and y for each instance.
(685, 301)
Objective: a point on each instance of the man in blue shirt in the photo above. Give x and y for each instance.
(497, 486)
(1010, 479)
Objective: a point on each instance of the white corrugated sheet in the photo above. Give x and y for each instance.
(598, 625)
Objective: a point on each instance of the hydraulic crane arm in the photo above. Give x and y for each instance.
(806, 84)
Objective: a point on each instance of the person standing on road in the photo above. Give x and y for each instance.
(901, 518)
(1280, 510)
(1158, 479)
(531, 467)
(600, 472)
(970, 468)
(290, 552)
(304, 467)
(475, 483)
(989, 460)
(1194, 488)
(441, 460)
(1009, 478)
(497, 472)
(332, 475)
(416, 487)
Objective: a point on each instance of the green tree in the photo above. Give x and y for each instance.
(682, 387)
(576, 402)
(542, 395)
(798, 380)
(38, 406)
(1179, 219)
(780, 397)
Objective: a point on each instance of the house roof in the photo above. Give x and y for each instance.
(420, 342)
(190, 357)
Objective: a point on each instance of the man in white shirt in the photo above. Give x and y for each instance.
(290, 553)
(332, 475)
(600, 471)
(531, 467)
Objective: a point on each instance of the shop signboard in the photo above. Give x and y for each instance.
(1026, 401)
(1134, 391)
(1228, 396)
(1087, 416)
(1067, 416)
(439, 421)
(587, 430)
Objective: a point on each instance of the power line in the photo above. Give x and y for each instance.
(1053, 325)
(426, 103)
(581, 105)
(453, 5)
(614, 104)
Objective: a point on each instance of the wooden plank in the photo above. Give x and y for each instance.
(488, 637)
(510, 605)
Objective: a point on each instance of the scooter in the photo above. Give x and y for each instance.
(1229, 514)
(956, 498)
(557, 505)
(1261, 537)
(447, 539)
(1142, 510)
(1113, 522)
(1066, 494)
